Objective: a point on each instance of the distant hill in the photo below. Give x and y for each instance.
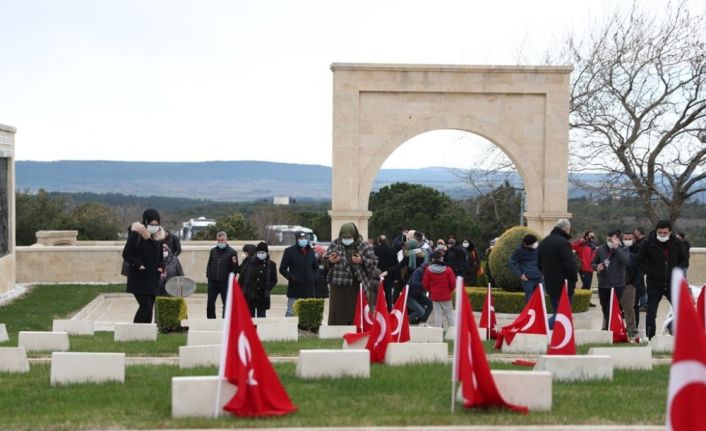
(223, 181)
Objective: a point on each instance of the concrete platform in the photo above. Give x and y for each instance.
(632, 358)
(89, 367)
(334, 332)
(535, 344)
(592, 336)
(199, 356)
(316, 364)
(527, 388)
(73, 327)
(662, 344)
(278, 331)
(35, 341)
(13, 360)
(196, 396)
(202, 338)
(416, 353)
(3, 333)
(135, 332)
(428, 334)
(570, 368)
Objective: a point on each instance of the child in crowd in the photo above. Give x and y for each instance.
(439, 280)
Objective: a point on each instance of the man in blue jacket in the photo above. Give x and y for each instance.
(298, 266)
(523, 263)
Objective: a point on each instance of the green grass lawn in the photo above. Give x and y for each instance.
(402, 396)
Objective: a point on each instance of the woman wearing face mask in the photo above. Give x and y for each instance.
(524, 264)
(143, 253)
(471, 275)
(349, 262)
(257, 278)
(172, 268)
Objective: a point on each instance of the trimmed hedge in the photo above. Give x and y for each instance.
(169, 312)
(514, 302)
(310, 312)
(500, 256)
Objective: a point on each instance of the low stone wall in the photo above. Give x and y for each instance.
(7, 272)
(102, 263)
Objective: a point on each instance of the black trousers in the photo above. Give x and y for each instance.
(654, 295)
(604, 296)
(144, 311)
(586, 279)
(216, 288)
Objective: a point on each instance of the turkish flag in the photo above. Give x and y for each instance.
(686, 397)
(245, 364)
(615, 320)
(487, 317)
(381, 333)
(470, 363)
(701, 307)
(361, 319)
(399, 319)
(532, 320)
(563, 342)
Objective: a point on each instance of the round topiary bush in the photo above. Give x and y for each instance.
(500, 256)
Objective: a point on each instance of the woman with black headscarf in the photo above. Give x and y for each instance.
(143, 253)
(349, 261)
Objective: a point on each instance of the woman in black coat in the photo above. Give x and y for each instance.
(257, 278)
(143, 253)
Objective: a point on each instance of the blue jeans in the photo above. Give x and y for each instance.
(555, 305)
(290, 305)
(529, 286)
(420, 307)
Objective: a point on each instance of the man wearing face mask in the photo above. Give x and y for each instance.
(628, 299)
(557, 263)
(610, 262)
(523, 263)
(257, 278)
(659, 254)
(222, 260)
(299, 267)
(585, 249)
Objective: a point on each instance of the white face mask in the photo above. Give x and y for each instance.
(152, 229)
(465, 245)
(661, 238)
(535, 245)
(262, 255)
(627, 243)
(347, 241)
(165, 253)
(609, 243)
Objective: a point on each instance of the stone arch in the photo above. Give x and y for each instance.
(522, 110)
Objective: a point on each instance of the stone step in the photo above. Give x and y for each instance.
(199, 356)
(569, 368)
(13, 360)
(316, 364)
(416, 353)
(592, 336)
(633, 358)
(662, 344)
(525, 388)
(80, 367)
(74, 327)
(428, 334)
(135, 332)
(334, 332)
(37, 341)
(196, 396)
(201, 338)
(527, 343)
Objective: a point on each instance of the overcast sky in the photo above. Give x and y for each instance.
(234, 80)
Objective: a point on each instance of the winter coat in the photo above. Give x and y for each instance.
(257, 278)
(143, 249)
(618, 260)
(524, 261)
(387, 258)
(585, 252)
(299, 267)
(220, 263)
(656, 260)
(342, 272)
(415, 282)
(172, 268)
(457, 259)
(173, 243)
(557, 262)
(439, 280)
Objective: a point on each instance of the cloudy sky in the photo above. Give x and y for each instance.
(195, 80)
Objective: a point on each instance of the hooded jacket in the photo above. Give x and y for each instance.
(143, 249)
(618, 260)
(439, 280)
(524, 261)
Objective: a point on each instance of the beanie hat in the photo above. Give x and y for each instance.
(529, 239)
(262, 246)
(149, 216)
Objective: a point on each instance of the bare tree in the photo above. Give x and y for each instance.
(638, 107)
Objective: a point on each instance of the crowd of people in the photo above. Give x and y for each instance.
(635, 265)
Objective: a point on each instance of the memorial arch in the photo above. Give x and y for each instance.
(524, 110)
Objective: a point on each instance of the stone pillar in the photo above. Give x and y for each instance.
(7, 208)
(360, 218)
(544, 222)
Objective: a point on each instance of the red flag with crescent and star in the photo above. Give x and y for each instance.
(615, 321)
(381, 333)
(532, 320)
(478, 388)
(399, 318)
(686, 396)
(487, 317)
(362, 319)
(246, 365)
(563, 342)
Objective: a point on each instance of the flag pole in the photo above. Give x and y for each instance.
(487, 332)
(544, 306)
(610, 313)
(404, 311)
(459, 288)
(224, 344)
(362, 309)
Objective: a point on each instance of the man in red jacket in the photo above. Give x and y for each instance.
(439, 280)
(585, 249)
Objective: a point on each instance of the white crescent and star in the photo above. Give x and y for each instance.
(245, 354)
(366, 315)
(398, 316)
(383, 327)
(533, 317)
(568, 330)
(681, 375)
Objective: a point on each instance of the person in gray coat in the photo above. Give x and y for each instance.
(610, 262)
